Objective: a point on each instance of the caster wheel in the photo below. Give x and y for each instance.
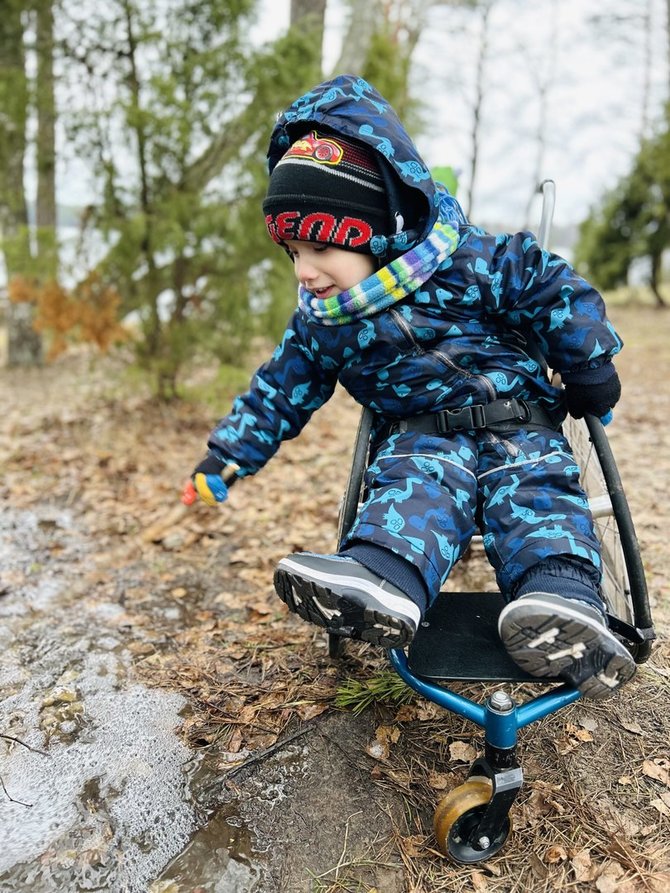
(457, 816)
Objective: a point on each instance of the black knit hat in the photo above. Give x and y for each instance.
(327, 189)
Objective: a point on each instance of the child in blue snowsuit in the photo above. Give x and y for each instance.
(425, 319)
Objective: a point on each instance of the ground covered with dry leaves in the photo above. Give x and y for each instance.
(332, 800)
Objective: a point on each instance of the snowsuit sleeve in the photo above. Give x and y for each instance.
(282, 396)
(536, 291)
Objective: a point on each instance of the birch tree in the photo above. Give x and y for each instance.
(479, 95)
(45, 150)
(23, 342)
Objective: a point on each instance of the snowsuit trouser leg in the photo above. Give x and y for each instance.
(533, 509)
(427, 494)
(421, 497)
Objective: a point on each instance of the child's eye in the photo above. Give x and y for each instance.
(321, 247)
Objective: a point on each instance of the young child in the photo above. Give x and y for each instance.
(421, 317)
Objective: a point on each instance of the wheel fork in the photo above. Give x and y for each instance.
(500, 766)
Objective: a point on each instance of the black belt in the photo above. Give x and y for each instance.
(503, 413)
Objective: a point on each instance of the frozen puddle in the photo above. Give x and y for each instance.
(107, 810)
(108, 804)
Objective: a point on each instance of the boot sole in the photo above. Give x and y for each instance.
(346, 612)
(551, 641)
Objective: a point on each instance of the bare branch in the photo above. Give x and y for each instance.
(23, 744)
(10, 798)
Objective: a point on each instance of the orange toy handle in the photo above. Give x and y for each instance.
(189, 493)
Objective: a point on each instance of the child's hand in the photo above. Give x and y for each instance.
(594, 399)
(210, 479)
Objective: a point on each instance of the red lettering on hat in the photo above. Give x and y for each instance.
(352, 232)
(272, 229)
(285, 224)
(323, 225)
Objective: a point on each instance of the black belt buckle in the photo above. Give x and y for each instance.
(525, 414)
(467, 418)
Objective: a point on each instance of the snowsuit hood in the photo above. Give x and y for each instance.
(350, 106)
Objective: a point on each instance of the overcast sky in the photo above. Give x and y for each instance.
(595, 86)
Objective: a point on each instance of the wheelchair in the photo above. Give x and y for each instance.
(472, 821)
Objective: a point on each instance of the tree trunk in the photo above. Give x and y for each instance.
(153, 326)
(23, 343)
(45, 211)
(310, 15)
(364, 19)
(655, 276)
(482, 56)
(314, 9)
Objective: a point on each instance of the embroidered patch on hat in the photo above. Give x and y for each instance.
(318, 148)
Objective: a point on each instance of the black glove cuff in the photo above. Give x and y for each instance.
(210, 465)
(597, 375)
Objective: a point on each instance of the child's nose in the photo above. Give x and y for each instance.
(305, 271)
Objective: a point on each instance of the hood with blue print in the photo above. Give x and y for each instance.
(350, 106)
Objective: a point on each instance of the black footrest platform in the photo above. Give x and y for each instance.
(459, 640)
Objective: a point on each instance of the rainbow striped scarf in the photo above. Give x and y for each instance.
(387, 286)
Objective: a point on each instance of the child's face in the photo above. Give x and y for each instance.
(326, 270)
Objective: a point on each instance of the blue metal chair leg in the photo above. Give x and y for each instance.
(479, 831)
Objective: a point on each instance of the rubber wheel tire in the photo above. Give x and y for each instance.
(458, 814)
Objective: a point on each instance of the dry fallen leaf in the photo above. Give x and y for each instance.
(555, 854)
(406, 713)
(479, 881)
(662, 803)
(609, 878)
(310, 711)
(583, 734)
(438, 781)
(657, 769)
(412, 846)
(235, 741)
(583, 866)
(537, 866)
(377, 750)
(179, 592)
(461, 752)
(388, 734)
(228, 599)
(633, 727)
(426, 710)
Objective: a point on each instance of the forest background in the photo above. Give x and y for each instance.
(139, 289)
(132, 153)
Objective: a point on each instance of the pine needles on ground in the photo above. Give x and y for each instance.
(386, 687)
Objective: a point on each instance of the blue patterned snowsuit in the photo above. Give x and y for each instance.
(453, 342)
